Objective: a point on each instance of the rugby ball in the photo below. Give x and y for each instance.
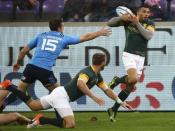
(121, 10)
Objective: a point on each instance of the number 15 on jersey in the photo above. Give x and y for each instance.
(49, 44)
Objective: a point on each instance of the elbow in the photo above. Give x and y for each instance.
(149, 37)
(108, 24)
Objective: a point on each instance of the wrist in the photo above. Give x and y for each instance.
(18, 62)
(119, 101)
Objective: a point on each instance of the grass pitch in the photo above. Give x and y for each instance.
(126, 121)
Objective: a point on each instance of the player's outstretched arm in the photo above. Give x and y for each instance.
(83, 87)
(111, 94)
(21, 56)
(104, 31)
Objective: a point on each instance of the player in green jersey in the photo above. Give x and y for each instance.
(61, 96)
(139, 29)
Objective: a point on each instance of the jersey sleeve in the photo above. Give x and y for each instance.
(71, 40)
(101, 83)
(33, 43)
(151, 26)
(84, 77)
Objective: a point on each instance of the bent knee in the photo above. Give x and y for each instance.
(70, 125)
(132, 80)
(69, 122)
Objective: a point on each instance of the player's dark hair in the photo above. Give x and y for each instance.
(143, 6)
(98, 58)
(55, 24)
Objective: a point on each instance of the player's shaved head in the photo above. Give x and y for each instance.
(55, 24)
(98, 58)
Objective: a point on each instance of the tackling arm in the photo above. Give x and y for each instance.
(109, 92)
(81, 83)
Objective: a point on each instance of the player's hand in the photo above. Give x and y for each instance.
(134, 19)
(98, 100)
(126, 17)
(126, 106)
(16, 67)
(105, 31)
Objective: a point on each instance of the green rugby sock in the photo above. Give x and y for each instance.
(122, 95)
(123, 79)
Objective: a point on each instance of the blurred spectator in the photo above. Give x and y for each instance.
(75, 18)
(156, 9)
(73, 7)
(97, 10)
(25, 4)
(152, 2)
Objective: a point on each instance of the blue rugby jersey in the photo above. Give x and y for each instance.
(48, 47)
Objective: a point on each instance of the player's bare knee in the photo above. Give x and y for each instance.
(132, 80)
(33, 107)
(69, 123)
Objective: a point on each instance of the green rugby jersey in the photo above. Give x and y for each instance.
(72, 89)
(135, 42)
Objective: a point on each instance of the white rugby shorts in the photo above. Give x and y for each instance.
(133, 61)
(59, 100)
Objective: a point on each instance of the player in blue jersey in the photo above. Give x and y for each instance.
(48, 47)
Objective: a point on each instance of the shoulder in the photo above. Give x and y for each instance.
(86, 70)
(150, 22)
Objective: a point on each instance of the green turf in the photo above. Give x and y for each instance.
(126, 121)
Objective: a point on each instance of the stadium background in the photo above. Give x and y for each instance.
(154, 92)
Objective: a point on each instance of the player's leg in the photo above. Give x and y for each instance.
(47, 78)
(60, 101)
(130, 81)
(22, 119)
(12, 117)
(26, 81)
(65, 120)
(117, 80)
(33, 104)
(3, 95)
(12, 97)
(8, 118)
